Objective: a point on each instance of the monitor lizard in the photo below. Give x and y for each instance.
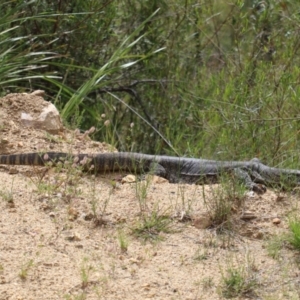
(254, 174)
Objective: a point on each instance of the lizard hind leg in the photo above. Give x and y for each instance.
(244, 177)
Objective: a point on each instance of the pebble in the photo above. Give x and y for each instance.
(248, 215)
(202, 221)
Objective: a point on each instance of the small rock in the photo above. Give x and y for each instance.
(52, 214)
(73, 213)
(13, 170)
(129, 179)
(146, 286)
(250, 194)
(11, 204)
(276, 221)
(202, 221)
(258, 235)
(3, 280)
(248, 215)
(88, 217)
(73, 236)
(49, 120)
(280, 198)
(4, 141)
(133, 261)
(183, 216)
(77, 236)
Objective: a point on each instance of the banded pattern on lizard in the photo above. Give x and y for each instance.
(253, 173)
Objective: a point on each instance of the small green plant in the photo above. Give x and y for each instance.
(8, 196)
(80, 296)
(24, 269)
(123, 241)
(98, 207)
(184, 207)
(94, 206)
(207, 283)
(85, 272)
(150, 226)
(200, 255)
(225, 200)
(46, 187)
(68, 171)
(237, 282)
(141, 191)
(294, 237)
(274, 245)
(233, 283)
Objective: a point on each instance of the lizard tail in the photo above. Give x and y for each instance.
(32, 159)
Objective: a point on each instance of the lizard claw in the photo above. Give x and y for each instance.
(259, 188)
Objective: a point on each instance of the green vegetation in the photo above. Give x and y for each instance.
(274, 246)
(123, 241)
(211, 79)
(226, 200)
(291, 238)
(294, 238)
(238, 282)
(85, 273)
(25, 269)
(151, 226)
(207, 283)
(8, 196)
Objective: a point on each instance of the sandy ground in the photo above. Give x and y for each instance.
(68, 235)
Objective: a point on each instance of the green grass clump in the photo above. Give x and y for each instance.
(237, 283)
(123, 241)
(294, 237)
(274, 245)
(151, 226)
(23, 274)
(226, 199)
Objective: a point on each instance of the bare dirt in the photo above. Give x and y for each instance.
(69, 235)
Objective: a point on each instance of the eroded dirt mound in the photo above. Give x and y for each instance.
(18, 138)
(68, 235)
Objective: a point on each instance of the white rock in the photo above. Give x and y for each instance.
(49, 120)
